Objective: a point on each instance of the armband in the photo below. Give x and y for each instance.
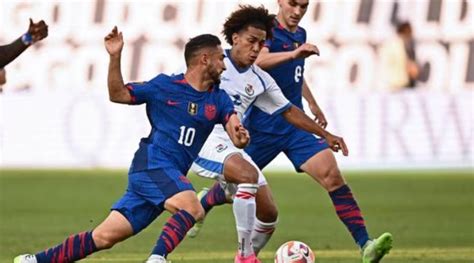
(27, 39)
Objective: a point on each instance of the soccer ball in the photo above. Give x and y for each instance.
(294, 252)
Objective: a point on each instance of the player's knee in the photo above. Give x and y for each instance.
(333, 179)
(249, 175)
(270, 214)
(104, 240)
(197, 212)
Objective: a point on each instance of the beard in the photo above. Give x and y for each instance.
(216, 77)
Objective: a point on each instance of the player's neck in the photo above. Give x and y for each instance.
(282, 22)
(196, 81)
(235, 59)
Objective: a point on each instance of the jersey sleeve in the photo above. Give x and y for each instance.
(226, 108)
(268, 43)
(304, 35)
(272, 101)
(142, 92)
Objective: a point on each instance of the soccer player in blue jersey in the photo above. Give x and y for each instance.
(182, 111)
(283, 56)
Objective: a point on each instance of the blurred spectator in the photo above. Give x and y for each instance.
(35, 33)
(399, 60)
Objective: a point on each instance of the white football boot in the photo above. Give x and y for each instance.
(27, 258)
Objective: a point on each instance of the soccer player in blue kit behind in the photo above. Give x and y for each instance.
(182, 111)
(283, 57)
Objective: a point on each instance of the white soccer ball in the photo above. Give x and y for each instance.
(294, 252)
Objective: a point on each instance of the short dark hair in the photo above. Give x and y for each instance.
(245, 16)
(197, 43)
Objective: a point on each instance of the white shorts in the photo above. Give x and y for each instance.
(211, 159)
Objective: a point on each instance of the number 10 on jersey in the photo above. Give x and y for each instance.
(186, 135)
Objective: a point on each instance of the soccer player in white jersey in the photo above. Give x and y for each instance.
(246, 30)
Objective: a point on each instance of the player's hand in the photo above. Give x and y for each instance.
(305, 51)
(114, 42)
(319, 117)
(38, 30)
(336, 144)
(242, 135)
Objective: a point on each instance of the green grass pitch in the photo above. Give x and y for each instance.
(430, 214)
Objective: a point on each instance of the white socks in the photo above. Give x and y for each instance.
(245, 213)
(261, 234)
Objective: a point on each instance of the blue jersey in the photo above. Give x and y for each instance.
(181, 119)
(288, 76)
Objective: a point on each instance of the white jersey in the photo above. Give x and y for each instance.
(246, 87)
(251, 86)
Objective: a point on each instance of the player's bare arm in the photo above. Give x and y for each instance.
(35, 33)
(267, 60)
(3, 76)
(313, 106)
(299, 119)
(237, 133)
(117, 91)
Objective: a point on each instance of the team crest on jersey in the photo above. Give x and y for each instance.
(210, 111)
(192, 108)
(221, 147)
(249, 90)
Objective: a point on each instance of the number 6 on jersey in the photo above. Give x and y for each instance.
(298, 73)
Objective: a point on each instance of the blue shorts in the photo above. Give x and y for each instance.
(146, 194)
(298, 146)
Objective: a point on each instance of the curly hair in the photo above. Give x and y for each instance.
(245, 16)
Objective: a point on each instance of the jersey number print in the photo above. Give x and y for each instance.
(186, 135)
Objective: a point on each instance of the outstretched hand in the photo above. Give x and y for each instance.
(336, 144)
(38, 30)
(306, 50)
(114, 42)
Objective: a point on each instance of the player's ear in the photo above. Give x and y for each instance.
(235, 38)
(205, 59)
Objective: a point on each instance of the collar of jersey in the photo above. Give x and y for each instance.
(239, 69)
(180, 80)
(281, 27)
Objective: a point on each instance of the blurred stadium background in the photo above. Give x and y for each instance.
(411, 160)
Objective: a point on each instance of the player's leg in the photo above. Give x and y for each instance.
(181, 201)
(210, 164)
(267, 218)
(186, 210)
(215, 196)
(115, 228)
(262, 150)
(209, 198)
(323, 168)
(244, 175)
